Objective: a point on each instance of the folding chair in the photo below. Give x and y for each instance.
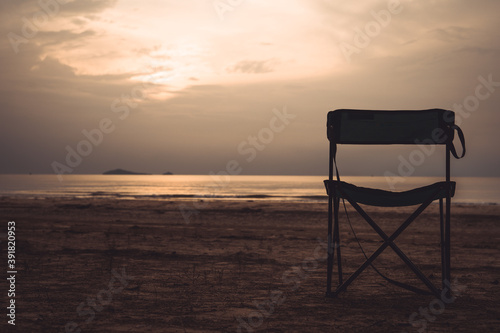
(368, 127)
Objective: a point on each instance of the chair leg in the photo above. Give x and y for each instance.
(368, 262)
(443, 244)
(388, 241)
(336, 239)
(330, 252)
(448, 240)
(333, 244)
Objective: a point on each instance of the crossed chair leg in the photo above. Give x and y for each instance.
(388, 242)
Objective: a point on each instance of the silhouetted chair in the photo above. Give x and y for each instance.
(367, 127)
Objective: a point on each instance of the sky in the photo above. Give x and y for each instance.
(240, 86)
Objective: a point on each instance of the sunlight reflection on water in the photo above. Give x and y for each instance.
(303, 188)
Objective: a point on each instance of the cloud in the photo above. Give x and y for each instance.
(254, 66)
(85, 7)
(451, 34)
(482, 51)
(57, 38)
(49, 23)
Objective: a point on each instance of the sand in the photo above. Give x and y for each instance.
(102, 265)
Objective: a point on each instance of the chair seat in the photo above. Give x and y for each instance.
(382, 198)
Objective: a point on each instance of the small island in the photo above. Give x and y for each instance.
(123, 172)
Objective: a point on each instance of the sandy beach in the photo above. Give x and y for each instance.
(102, 265)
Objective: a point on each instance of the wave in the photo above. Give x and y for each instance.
(211, 196)
(245, 197)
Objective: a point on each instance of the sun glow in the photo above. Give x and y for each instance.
(193, 47)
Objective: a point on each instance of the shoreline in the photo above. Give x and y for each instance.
(194, 198)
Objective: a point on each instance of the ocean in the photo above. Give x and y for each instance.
(470, 190)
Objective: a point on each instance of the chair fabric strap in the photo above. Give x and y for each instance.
(333, 153)
(462, 142)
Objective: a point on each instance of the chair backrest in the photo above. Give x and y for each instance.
(433, 126)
